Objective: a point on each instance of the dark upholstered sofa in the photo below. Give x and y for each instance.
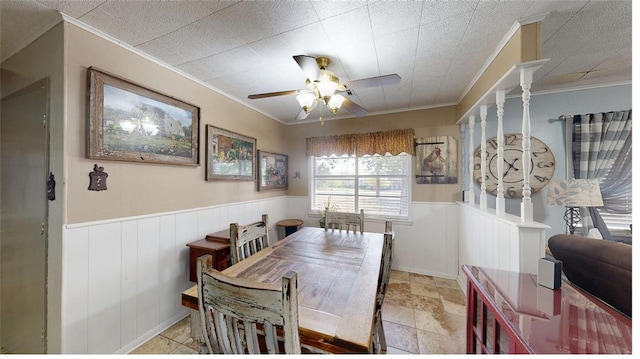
(600, 267)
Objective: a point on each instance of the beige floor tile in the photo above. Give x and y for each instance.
(421, 278)
(183, 349)
(156, 345)
(398, 315)
(392, 350)
(432, 343)
(192, 344)
(427, 290)
(399, 276)
(401, 337)
(427, 304)
(399, 287)
(180, 332)
(446, 283)
(403, 299)
(431, 321)
(453, 300)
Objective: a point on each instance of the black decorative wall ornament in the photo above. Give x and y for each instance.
(98, 179)
(51, 187)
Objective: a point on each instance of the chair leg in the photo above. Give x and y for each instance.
(379, 341)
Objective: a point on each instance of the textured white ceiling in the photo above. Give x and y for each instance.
(437, 47)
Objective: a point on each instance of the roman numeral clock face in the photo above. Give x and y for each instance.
(542, 165)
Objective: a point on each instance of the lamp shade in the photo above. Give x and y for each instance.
(307, 101)
(574, 193)
(335, 102)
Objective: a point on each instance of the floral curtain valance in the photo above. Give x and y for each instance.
(360, 144)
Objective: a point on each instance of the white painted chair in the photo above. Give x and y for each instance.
(379, 342)
(344, 220)
(237, 315)
(247, 240)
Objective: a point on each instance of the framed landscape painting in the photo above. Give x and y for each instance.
(273, 171)
(128, 122)
(229, 155)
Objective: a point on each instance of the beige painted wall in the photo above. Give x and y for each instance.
(439, 121)
(44, 58)
(144, 188)
(523, 46)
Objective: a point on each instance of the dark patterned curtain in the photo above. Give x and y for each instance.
(602, 150)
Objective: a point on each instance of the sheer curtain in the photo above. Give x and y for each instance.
(602, 150)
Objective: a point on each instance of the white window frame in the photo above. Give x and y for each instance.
(409, 177)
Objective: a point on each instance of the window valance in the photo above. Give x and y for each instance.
(360, 144)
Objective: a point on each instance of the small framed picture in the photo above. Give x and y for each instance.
(273, 171)
(230, 156)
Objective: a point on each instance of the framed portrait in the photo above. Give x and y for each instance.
(128, 122)
(272, 171)
(436, 160)
(230, 156)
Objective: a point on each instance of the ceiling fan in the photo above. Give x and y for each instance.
(322, 86)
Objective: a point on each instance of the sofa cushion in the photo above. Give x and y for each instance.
(600, 267)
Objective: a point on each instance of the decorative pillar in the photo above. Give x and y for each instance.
(472, 194)
(500, 165)
(526, 208)
(483, 157)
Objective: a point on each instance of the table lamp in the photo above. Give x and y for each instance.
(573, 194)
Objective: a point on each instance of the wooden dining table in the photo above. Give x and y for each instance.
(337, 283)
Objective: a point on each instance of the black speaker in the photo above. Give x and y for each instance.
(549, 272)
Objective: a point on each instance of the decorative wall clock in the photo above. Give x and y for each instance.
(542, 165)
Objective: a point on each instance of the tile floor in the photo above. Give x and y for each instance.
(421, 315)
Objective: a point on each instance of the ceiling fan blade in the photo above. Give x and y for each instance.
(353, 108)
(277, 93)
(309, 66)
(301, 115)
(385, 80)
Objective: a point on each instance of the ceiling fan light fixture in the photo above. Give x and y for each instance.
(326, 89)
(307, 101)
(335, 102)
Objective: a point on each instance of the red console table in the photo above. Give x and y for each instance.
(509, 313)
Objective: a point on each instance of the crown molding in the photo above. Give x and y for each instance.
(126, 46)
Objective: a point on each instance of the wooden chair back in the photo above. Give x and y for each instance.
(379, 342)
(344, 220)
(247, 240)
(237, 316)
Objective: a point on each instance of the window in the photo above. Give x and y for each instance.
(377, 184)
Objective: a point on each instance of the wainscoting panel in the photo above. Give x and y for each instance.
(122, 278)
(428, 244)
(506, 242)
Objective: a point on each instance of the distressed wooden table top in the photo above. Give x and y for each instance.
(337, 281)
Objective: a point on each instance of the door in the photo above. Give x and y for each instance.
(23, 221)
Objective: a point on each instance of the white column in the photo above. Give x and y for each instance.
(463, 156)
(526, 208)
(500, 159)
(483, 157)
(472, 194)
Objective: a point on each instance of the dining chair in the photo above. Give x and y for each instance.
(243, 317)
(379, 342)
(247, 240)
(344, 220)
